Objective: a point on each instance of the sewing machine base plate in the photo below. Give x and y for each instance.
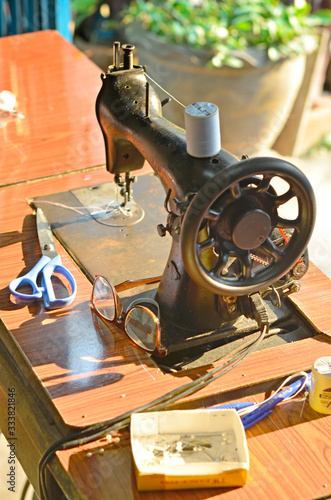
(122, 251)
(83, 221)
(189, 349)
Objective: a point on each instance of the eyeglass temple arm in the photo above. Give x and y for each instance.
(126, 285)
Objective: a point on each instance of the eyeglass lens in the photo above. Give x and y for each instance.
(103, 299)
(141, 328)
(140, 323)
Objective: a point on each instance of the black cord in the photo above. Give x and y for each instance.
(97, 431)
(25, 489)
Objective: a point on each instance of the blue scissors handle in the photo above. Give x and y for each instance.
(48, 267)
(55, 266)
(29, 279)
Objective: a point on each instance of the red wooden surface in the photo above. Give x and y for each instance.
(56, 87)
(92, 373)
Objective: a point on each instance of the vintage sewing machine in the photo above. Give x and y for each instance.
(230, 241)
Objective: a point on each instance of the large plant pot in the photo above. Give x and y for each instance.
(254, 101)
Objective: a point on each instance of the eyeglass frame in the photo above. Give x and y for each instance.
(120, 317)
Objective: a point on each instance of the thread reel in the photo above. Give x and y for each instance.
(230, 235)
(203, 136)
(320, 389)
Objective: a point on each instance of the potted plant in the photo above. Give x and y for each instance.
(246, 56)
(96, 21)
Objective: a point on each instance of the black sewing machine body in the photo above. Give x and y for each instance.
(229, 242)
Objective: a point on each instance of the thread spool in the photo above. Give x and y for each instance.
(203, 135)
(320, 389)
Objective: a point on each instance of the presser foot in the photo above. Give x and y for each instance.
(106, 204)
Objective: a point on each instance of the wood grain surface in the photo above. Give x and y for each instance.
(56, 87)
(92, 372)
(79, 358)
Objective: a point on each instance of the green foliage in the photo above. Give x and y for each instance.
(227, 26)
(83, 8)
(322, 147)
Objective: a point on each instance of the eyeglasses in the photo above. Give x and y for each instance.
(140, 323)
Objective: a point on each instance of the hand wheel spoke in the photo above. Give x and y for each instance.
(271, 249)
(236, 191)
(204, 245)
(220, 264)
(288, 223)
(284, 198)
(264, 184)
(246, 264)
(212, 214)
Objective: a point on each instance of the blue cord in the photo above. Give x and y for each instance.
(264, 409)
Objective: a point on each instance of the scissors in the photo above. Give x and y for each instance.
(49, 264)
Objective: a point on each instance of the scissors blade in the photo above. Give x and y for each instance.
(45, 235)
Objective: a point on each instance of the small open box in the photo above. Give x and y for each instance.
(189, 449)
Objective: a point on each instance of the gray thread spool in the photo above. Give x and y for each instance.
(203, 136)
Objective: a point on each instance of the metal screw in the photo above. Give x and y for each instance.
(299, 270)
(48, 247)
(162, 230)
(295, 287)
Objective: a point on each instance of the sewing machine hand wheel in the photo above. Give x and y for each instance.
(231, 234)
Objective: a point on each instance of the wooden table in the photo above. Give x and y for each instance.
(68, 369)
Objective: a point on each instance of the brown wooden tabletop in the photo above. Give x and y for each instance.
(69, 369)
(55, 87)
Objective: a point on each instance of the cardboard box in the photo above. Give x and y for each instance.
(184, 449)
